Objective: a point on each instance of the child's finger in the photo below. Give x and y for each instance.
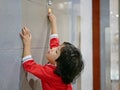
(49, 10)
(23, 30)
(21, 35)
(49, 14)
(27, 30)
(30, 35)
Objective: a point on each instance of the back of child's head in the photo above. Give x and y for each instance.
(69, 64)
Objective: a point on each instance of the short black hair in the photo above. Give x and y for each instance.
(69, 63)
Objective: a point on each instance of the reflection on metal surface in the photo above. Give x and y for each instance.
(114, 56)
(107, 58)
(114, 39)
(114, 27)
(49, 2)
(61, 6)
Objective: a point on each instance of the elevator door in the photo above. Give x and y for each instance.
(34, 16)
(10, 44)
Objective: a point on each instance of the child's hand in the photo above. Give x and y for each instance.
(51, 17)
(26, 36)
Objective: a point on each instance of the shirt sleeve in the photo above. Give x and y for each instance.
(54, 41)
(31, 66)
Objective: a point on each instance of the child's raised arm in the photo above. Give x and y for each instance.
(26, 38)
(52, 19)
(54, 40)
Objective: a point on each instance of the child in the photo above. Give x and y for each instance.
(65, 60)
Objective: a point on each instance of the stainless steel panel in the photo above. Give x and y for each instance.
(14, 14)
(105, 18)
(10, 64)
(10, 44)
(10, 24)
(107, 58)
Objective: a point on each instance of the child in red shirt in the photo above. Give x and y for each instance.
(65, 60)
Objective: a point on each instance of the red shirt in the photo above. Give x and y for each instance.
(50, 81)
